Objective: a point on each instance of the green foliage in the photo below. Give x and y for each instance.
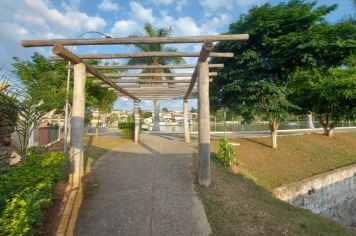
(43, 80)
(165, 109)
(36, 150)
(24, 192)
(128, 129)
(8, 102)
(330, 93)
(146, 114)
(226, 153)
(283, 37)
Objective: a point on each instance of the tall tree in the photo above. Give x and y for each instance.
(283, 38)
(150, 31)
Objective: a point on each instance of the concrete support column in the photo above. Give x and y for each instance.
(156, 115)
(77, 124)
(186, 122)
(204, 177)
(137, 121)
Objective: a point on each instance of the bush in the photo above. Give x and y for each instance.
(25, 191)
(128, 129)
(36, 150)
(226, 153)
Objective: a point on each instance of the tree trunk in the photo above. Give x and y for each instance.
(273, 126)
(97, 126)
(310, 121)
(331, 130)
(328, 130)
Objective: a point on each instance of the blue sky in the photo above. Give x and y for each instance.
(38, 19)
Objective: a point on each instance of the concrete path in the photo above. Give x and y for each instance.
(144, 189)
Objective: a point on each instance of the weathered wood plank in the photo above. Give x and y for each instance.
(139, 40)
(119, 75)
(130, 67)
(145, 54)
(204, 53)
(59, 50)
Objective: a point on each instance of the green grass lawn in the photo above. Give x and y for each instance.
(235, 205)
(296, 158)
(242, 203)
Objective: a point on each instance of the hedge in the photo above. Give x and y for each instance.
(25, 192)
(128, 129)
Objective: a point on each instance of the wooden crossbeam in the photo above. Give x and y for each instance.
(204, 54)
(130, 67)
(138, 40)
(147, 81)
(62, 52)
(145, 54)
(119, 75)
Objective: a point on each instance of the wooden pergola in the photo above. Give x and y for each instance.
(143, 86)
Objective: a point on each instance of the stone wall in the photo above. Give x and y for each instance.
(6, 129)
(324, 193)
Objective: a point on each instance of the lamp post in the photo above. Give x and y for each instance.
(67, 94)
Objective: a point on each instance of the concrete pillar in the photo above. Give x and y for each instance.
(204, 177)
(186, 122)
(137, 121)
(156, 115)
(77, 124)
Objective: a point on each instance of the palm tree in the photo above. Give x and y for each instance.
(151, 32)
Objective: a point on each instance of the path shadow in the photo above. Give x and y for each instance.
(255, 141)
(148, 148)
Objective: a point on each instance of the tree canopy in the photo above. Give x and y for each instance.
(283, 39)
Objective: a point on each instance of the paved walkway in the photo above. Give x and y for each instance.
(144, 189)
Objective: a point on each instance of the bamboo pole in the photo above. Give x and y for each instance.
(59, 50)
(139, 40)
(130, 67)
(145, 54)
(119, 75)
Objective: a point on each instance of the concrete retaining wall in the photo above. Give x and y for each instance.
(322, 193)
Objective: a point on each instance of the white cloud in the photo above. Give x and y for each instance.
(141, 13)
(163, 2)
(180, 4)
(213, 5)
(108, 5)
(125, 28)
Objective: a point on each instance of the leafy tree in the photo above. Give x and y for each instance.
(165, 109)
(44, 81)
(331, 94)
(282, 38)
(150, 31)
(146, 114)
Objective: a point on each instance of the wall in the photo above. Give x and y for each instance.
(327, 193)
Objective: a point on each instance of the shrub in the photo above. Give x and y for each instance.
(25, 191)
(128, 129)
(36, 150)
(226, 153)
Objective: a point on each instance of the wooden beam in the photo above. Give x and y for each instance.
(147, 81)
(119, 75)
(138, 40)
(130, 67)
(59, 50)
(204, 53)
(145, 54)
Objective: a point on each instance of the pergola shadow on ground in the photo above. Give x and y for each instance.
(153, 88)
